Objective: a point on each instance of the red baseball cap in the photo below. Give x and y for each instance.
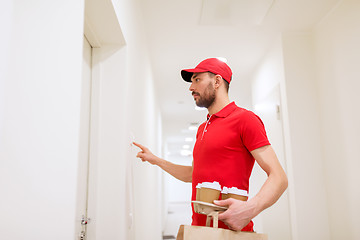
(213, 65)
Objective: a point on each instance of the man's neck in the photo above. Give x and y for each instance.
(218, 105)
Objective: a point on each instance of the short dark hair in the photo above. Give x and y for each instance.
(226, 83)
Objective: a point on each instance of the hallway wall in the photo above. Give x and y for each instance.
(143, 124)
(267, 81)
(304, 125)
(337, 40)
(320, 89)
(40, 115)
(40, 93)
(288, 65)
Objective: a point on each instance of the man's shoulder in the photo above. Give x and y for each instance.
(244, 116)
(239, 111)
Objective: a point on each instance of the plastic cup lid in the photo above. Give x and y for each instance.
(225, 190)
(212, 185)
(235, 190)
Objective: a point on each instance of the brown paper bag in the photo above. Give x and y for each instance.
(209, 233)
(214, 233)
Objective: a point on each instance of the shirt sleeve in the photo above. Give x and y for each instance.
(252, 132)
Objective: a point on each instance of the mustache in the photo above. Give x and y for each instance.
(195, 93)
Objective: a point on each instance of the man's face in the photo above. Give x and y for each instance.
(202, 89)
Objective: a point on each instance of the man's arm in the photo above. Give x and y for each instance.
(183, 173)
(240, 213)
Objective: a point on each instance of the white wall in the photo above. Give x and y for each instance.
(266, 97)
(6, 13)
(337, 40)
(302, 101)
(143, 119)
(269, 73)
(320, 89)
(290, 63)
(40, 115)
(39, 122)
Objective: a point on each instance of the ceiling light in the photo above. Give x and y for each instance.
(185, 153)
(186, 146)
(189, 139)
(192, 128)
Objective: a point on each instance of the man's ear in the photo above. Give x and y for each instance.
(218, 81)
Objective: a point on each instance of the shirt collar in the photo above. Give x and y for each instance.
(223, 113)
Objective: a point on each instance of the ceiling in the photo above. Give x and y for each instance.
(181, 33)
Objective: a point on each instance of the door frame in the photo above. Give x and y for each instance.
(98, 13)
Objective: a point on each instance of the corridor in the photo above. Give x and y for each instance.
(81, 80)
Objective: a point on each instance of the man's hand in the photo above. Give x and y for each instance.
(146, 155)
(238, 215)
(183, 173)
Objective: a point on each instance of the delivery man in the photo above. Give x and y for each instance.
(227, 145)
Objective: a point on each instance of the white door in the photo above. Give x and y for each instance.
(274, 221)
(84, 144)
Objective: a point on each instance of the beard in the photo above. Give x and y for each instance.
(207, 98)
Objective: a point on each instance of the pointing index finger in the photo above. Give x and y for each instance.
(139, 145)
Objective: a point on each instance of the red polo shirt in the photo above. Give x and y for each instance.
(222, 152)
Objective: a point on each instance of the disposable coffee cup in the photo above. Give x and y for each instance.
(198, 189)
(235, 193)
(209, 192)
(224, 193)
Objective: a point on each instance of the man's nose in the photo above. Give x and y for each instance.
(191, 88)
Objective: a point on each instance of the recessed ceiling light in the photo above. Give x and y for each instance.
(186, 146)
(189, 139)
(185, 152)
(192, 128)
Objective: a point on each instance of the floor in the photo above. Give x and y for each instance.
(179, 213)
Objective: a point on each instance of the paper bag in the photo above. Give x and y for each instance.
(209, 233)
(215, 233)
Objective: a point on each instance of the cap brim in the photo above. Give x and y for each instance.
(186, 74)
